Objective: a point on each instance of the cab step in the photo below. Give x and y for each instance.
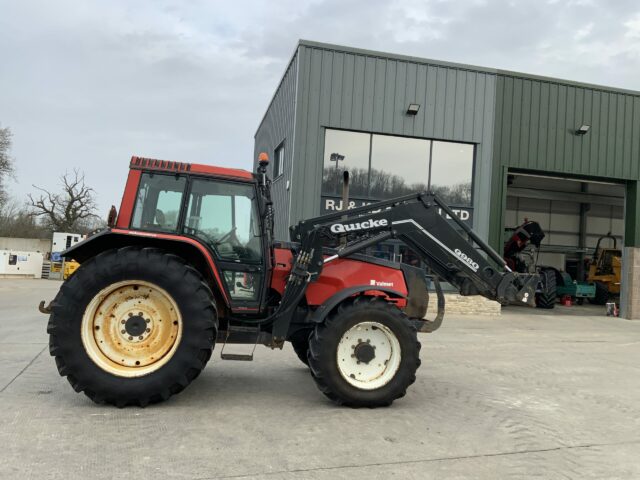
(237, 356)
(240, 336)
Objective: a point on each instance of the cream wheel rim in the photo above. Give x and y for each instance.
(131, 328)
(368, 355)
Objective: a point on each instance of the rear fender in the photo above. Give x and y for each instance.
(189, 249)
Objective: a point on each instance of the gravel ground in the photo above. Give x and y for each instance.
(523, 395)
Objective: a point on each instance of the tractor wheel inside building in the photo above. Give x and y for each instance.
(547, 296)
(132, 326)
(602, 294)
(365, 354)
(300, 343)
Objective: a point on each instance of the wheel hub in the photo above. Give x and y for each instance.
(135, 325)
(364, 352)
(131, 328)
(368, 355)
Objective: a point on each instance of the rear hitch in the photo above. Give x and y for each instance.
(46, 310)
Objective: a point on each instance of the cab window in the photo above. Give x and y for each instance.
(223, 215)
(158, 202)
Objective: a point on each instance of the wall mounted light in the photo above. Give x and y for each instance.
(413, 109)
(583, 129)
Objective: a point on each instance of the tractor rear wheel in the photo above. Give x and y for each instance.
(548, 294)
(365, 354)
(132, 326)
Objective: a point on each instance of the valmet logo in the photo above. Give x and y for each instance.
(352, 227)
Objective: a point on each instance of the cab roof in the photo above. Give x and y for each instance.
(142, 163)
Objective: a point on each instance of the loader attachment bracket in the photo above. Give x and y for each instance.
(44, 309)
(427, 326)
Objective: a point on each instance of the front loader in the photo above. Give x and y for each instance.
(190, 261)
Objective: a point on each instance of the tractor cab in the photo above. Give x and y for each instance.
(219, 208)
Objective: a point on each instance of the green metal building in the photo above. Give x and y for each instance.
(500, 146)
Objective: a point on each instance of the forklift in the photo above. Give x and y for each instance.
(605, 270)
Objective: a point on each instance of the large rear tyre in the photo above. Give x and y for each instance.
(365, 354)
(132, 326)
(548, 294)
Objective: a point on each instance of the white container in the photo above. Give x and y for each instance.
(62, 241)
(20, 264)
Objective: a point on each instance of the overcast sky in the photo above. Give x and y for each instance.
(89, 83)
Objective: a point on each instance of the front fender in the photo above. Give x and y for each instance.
(323, 310)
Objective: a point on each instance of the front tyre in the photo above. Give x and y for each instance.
(365, 354)
(132, 326)
(548, 294)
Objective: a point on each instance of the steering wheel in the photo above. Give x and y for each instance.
(199, 233)
(160, 218)
(229, 237)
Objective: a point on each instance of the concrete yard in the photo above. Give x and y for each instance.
(515, 396)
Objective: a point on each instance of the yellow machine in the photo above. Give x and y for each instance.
(605, 271)
(70, 266)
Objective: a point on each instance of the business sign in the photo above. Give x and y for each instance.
(331, 204)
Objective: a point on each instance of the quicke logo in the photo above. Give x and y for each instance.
(352, 227)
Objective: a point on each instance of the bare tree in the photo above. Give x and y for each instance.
(6, 162)
(73, 210)
(16, 221)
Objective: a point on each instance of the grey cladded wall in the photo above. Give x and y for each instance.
(536, 121)
(354, 89)
(515, 120)
(278, 125)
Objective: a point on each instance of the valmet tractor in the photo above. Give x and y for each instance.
(190, 261)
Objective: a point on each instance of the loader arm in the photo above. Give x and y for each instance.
(418, 220)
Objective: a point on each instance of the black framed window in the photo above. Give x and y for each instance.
(350, 151)
(387, 166)
(158, 202)
(452, 172)
(278, 161)
(399, 166)
(224, 215)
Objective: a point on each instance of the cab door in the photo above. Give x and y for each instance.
(224, 216)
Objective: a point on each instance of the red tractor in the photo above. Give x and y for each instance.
(190, 261)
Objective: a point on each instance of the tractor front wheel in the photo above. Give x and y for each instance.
(132, 326)
(365, 354)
